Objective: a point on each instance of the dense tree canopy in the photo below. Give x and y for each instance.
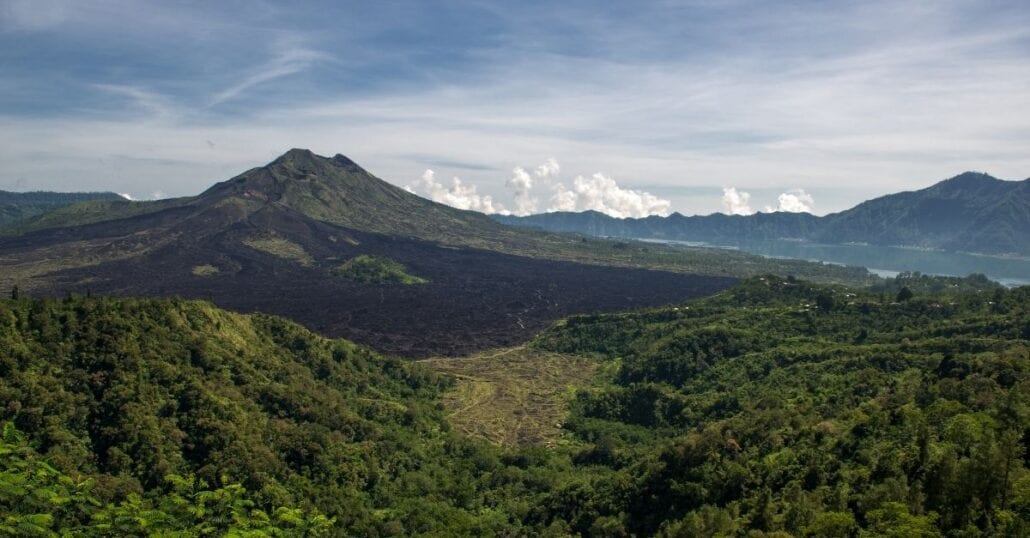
(129, 392)
(775, 408)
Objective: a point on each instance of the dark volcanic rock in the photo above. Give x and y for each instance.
(270, 240)
(475, 299)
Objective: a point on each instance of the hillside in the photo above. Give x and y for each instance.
(968, 213)
(290, 238)
(128, 392)
(777, 406)
(773, 407)
(18, 207)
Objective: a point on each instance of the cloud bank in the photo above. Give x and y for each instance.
(737, 202)
(597, 192)
(601, 193)
(522, 183)
(459, 194)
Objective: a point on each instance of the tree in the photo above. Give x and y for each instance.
(904, 294)
(824, 301)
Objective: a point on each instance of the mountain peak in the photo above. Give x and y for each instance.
(972, 178)
(296, 153)
(338, 191)
(305, 158)
(967, 184)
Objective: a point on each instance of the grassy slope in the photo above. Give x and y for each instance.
(19, 207)
(514, 397)
(90, 212)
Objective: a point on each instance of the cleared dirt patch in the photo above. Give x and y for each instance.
(513, 397)
(283, 248)
(204, 270)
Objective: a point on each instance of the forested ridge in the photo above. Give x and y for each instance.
(786, 408)
(135, 395)
(775, 408)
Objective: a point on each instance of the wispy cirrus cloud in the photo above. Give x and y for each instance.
(844, 100)
(156, 104)
(287, 59)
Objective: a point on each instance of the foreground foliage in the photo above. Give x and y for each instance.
(776, 408)
(126, 393)
(37, 500)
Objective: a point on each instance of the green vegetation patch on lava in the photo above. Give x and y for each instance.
(371, 269)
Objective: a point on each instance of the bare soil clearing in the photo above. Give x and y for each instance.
(513, 397)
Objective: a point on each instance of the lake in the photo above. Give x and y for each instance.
(889, 261)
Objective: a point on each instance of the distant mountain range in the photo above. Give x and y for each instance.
(971, 212)
(17, 207)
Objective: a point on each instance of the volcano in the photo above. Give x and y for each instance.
(322, 241)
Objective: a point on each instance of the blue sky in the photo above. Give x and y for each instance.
(842, 100)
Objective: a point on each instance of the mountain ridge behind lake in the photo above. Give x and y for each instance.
(972, 212)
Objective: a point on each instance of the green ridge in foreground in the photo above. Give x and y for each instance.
(127, 393)
(776, 408)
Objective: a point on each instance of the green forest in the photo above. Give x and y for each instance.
(775, 408)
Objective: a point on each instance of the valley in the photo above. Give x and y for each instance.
(341, 357)
(776, 404)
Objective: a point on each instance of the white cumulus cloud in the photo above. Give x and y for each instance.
(736, 202)
(794, 201)
(459, 194)
(601, 193)
(549, 168)
(522, 183)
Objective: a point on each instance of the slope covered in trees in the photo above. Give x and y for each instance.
(129, 392)
(37, 499)
(783, 407)
(774, 408)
